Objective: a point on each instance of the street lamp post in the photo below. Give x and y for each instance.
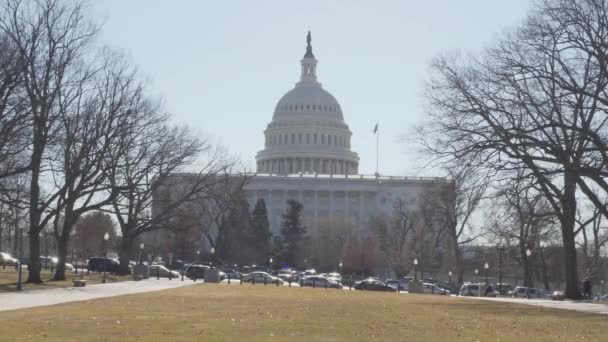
(20, 279)
(170, 266)
(486, 267)
(500, 250)
(602, 284)
(528, 272)
(212, 251)
(477, 275)
(415, 270)
(106, 237)
(450, 277)
(198, 254)
(141, 252)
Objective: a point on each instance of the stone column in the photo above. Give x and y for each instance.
(331, 205)
(346, 200)
(361, 200)
(316, 199)
(269, 208)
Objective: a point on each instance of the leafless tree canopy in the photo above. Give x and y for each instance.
(77, 121)
(534, 104)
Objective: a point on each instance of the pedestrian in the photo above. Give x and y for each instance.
(587, 288)
(489, 290)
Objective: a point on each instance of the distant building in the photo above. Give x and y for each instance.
(307, 156)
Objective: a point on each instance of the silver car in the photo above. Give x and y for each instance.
(318, 281)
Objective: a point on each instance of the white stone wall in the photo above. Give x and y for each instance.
(354, 198)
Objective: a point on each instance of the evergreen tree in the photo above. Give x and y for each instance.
(234, 243)
(292, 233)
(261, 230)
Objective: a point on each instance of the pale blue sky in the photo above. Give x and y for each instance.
(221, 66)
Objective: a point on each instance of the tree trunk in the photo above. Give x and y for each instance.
(568, 237)
(458, 263)
(35, 212)
(124, 255)
(34, 264)
(62, 251)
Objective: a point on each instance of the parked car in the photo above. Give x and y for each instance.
(319, 281)
(559, 295)
(233, 274)
(503, 288)
(7, 260)
(434, 289)
(470, 290)
(373, 285)
(394, 283)
(162, 271)
(96, 264)
(310, 272)
(194, 271)
(529, 292)
(259, 277)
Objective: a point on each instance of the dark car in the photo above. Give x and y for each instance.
(373, 285)
(96, 264)
(196, 271)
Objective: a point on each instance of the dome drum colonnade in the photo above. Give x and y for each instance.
(307, 133)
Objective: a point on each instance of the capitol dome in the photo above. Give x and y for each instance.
(307, 132)
(308, 101)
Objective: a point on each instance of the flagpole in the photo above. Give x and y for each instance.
(377, 149)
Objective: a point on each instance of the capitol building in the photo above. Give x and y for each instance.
(307, 157)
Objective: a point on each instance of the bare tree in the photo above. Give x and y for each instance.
(395, 235)
(51, 37)
(512, 110)
(150, 190)
(14, 115)
(89, 231)
(594, 238)
(454, 203)
(523, 221)
(93, 115)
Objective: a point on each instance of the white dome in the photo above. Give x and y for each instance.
(308, 100)
(307, 132)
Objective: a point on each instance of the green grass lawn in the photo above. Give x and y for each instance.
(217, 312)
(8, 280)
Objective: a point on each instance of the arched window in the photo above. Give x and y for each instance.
(335, 140)
(315, 138)
(300, 138)
(307, 107)
(293, 138)
(322, 139)
(285, 139)
(308, 138)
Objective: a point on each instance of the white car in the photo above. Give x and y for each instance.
(259, 278)
(7, 260)
(434, 289)
(318, 281)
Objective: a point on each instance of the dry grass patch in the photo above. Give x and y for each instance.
(257, 313)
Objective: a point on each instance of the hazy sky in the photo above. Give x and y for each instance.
(221, 66)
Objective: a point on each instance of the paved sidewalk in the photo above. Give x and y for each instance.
(596, 308)
(30, 299)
